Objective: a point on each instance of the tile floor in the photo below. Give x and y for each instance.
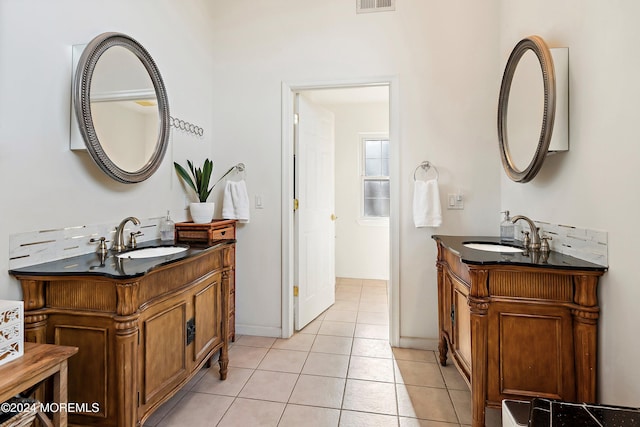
(338, 371)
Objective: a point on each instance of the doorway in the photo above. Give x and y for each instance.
(348, 101)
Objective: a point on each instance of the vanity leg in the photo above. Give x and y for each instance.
(223, 361)
(585, 337)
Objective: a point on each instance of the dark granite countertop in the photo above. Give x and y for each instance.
(552, 259)
(553, 413)
(110, 266)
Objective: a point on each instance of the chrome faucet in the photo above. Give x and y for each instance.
(118, 240)
(534, 246)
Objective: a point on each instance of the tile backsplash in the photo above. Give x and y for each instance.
(582, 243)
(37, 247)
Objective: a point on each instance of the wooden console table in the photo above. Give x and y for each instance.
(40, 361)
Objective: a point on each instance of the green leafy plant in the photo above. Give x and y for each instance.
(201, 178)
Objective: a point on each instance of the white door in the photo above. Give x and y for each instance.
(314, 218)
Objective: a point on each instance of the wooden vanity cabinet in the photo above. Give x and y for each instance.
(518, 332)
(140, 339)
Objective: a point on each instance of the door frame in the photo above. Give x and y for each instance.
(288, 90)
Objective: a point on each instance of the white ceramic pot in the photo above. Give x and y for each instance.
(202, 213)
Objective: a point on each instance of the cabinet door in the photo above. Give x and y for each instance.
(207, 308)
(530, 351)
(163, 337)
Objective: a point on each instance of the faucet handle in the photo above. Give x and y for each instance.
(132, 240)
(544, 243)
(526, 241)
(102, 244)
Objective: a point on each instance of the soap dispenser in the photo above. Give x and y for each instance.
(167, 228)
(507, 228)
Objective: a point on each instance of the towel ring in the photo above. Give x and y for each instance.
(426, 165)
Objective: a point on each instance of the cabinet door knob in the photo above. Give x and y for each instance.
(333, 217)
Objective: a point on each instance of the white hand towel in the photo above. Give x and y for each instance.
(235, 203)
(427, 211)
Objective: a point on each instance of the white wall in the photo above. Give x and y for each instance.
(445, 58)
(594, 185)
(43, 184)
(362, 250)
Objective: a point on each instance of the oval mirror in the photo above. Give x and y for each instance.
(122, 108)
(526, 109)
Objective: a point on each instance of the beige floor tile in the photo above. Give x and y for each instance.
(425, 403)
(309, 416)
(452, 378)
(212, 384)
(328, 365)
(346, 305)
(373, 318)
(254, 413)
(413, 354)
(374, 283)
(255, 341)
(375, 299)
(197, 409)
(374, 307)
(370, 396)
(371, 368)
(246, 357)
(365, 419)
(312, 327)
(419, 373)
(299, 342)
(371, 348)
(347, 295)
(349, 287)
(164, 409)
(318, 391)
(269, 385)
(378, 332)
(338, 329)
(283, 361)
(415, 422)
(462, 405)
(331, 344)
(373, 291)
(348, 281)
(341, 315)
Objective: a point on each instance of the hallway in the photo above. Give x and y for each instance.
(338, 371)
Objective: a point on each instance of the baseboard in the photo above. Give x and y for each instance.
(419, 343)
(260, 331)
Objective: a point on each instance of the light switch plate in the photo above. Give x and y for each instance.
(455, 201)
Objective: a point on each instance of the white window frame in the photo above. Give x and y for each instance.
(368, 220)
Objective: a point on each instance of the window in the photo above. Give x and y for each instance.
(375, 177)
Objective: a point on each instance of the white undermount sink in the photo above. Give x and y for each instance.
(492, 247)
(152, 252)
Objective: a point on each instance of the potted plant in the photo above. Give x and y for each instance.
(201, 211)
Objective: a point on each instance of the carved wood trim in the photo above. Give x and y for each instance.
(127, 298)
(479, 282)
(547, 286)
(81, 294)
(32, 294)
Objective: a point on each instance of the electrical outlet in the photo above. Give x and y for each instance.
(455, 201)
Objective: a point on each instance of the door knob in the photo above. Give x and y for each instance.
(333, 217)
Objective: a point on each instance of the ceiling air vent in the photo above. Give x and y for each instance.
(365, 6)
